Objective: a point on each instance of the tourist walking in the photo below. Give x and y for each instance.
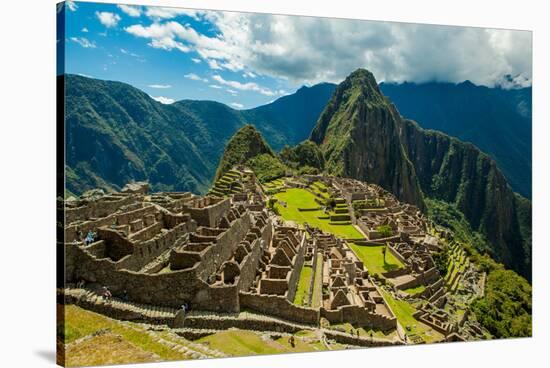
(106, 294)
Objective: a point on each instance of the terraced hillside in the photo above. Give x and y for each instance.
(229, 183)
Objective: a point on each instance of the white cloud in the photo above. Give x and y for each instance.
(132, 11)
(215, 86)
(126, 52)
(164, 100)
(161, 36)
(71, 5)
(108, 19)
(160, 86)
(244, 86)
(85, 30)
(232, 92)
(195, 77)
(84, 75)
(213, 64)
(158, 13)
(307, 50)
(249, 75)
(237, 105)
(196, 61)
(84, 42)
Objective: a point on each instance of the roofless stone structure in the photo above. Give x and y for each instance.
(227, 252)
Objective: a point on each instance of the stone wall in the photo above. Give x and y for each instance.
(219, 298)
(344, 338)
(279, 306)
(160, 289)
(226, 322)
(398, 272)
(361, 316)
(209, 213)
(274, 286)
(249, 264)
(396, 254)
(96, 209)
(423, 278)
(296, 269)
(116, 245)
(225, 246)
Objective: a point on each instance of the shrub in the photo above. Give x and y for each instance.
(385, 230)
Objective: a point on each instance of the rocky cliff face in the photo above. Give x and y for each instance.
(459, 173)
(496, 120)
(358, 133)
(363, 136)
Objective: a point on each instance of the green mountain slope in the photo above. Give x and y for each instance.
(248, 147)
(506, 306)
(117, 133)
(363, 136)
(305, 155)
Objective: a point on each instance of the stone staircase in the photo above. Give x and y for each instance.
(119, 309)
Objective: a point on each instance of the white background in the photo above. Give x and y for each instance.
(27, 180)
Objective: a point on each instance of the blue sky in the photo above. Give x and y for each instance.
(245, 60)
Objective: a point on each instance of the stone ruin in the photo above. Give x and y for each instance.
(225, 252)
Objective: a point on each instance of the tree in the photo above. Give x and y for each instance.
(271, 203)
(385, 231)
(441, 260)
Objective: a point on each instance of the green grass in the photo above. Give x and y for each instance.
(80, 322)
(318, 283)
(241, 342)
(301, 297)
(106, 349)
(302, 198)
(373, 259)
(404, 313)
(415, 290)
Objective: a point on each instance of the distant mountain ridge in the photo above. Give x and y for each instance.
(496, 120)
(116, 133)
(286, 121)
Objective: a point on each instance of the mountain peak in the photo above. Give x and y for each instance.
(358, 134)
(361, 86)
(363, 76)
(244, 145)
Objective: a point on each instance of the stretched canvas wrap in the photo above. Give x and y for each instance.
(235, 183)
